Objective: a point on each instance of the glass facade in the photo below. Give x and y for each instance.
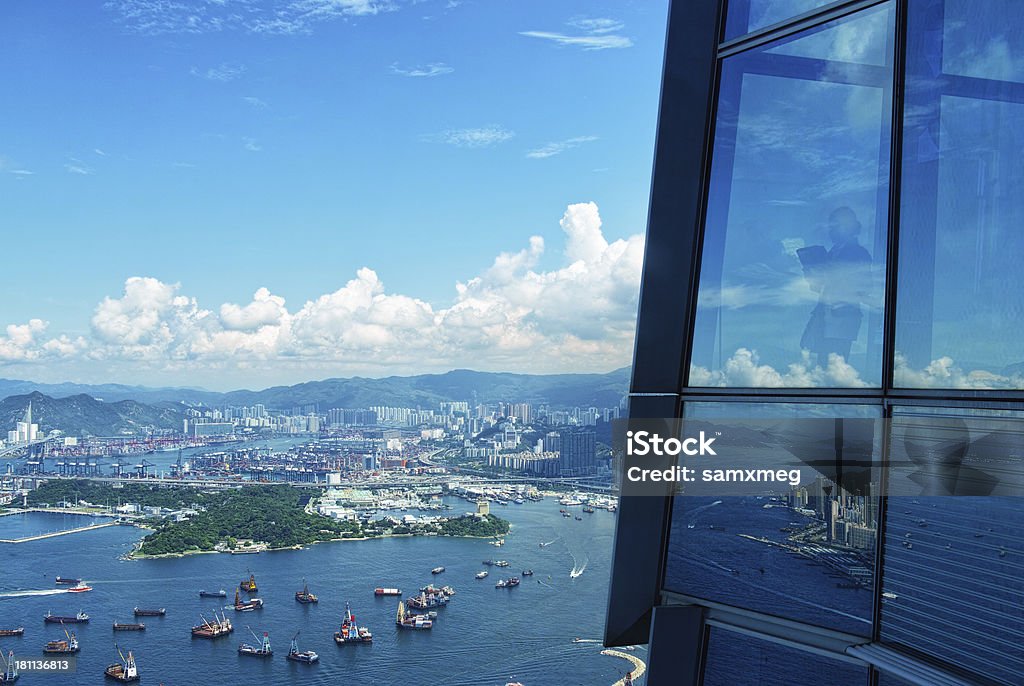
(824, 285)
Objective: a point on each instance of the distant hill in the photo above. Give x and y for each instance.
(81, 415)
(558, 390)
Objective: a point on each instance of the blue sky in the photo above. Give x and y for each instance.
(167, 159)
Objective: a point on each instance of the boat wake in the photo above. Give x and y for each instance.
(29, 594)
(545, 545)
(579, 569)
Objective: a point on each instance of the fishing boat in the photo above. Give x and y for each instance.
(249, 585)
(304, 596)
(125, 670)
(80, 618)
(80, 588)
(119, 626)
(10, 671)
(405, 620)
(220, 626)
(481, 575)
(12, 632)
(67, 580)
(68, 645)
(247, 605)
(140, 612)
(295, 655)
(350, 632)
(213, 594)
(262, 650)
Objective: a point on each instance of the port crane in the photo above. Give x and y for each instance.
(142, 469)
(10, 673)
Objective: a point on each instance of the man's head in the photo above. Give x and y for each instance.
(843, 225)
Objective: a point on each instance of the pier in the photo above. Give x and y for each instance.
(54, 534)
(638, 665)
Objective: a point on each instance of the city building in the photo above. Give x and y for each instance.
(834, 233)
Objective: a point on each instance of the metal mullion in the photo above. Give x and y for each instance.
(782, 29)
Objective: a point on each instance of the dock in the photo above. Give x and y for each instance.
(54, 534)
(638, 665)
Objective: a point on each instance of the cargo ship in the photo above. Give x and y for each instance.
(247, 605)
(295, 655)
(263, 650)
(350, 632)
(304, 596)
(80, 618)
(140, 612)
(249, 585)
(213, 594)
(67, 580)
(411, 621)
(221, 626)
(437, 570)
(124, 671)
(13, 632)
(387, 591)
(119, 626)
(68, 645)
(507, 583)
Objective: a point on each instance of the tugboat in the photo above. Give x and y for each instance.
(304, 596)
(410, 621)
(68, 645)
(139, 612)
(249, 585)
(213, 594)
(12, 632)
(247, 605)
(351, 632)
(80, 618)
(125, 670)
(129, 627)
(437, 570)
(263, 650)
(307, 656)
(481, 575)
(10, 673)
(221, 626)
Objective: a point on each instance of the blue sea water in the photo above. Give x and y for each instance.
(484, 636)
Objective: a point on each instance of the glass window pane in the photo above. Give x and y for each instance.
(960, 305)
(750, 15)
(806, 555)
(792, 268)
(735, 659)
(953, 579)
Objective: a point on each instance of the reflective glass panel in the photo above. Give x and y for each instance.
(750, 15)
(805, 553)
(953, 579)
(735, 659)
(960, 305)
(793, 261)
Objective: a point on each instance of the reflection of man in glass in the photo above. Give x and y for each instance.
(841, 277)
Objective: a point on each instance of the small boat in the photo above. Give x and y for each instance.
(295, 655)
(488, 562)
(350, 632)
(249, 585)
(125, 670)
(20, 631)
(213, 594)
(304, 596)
(527, 572)
(502, 563)
(247, 605)
(578, 518)
(80, 588)
(118, 626)
(589, 510)
(481, 575)
(67, 580)
(566, 514)
(68, 645)
(262, 650)
(437, 570)
(80, 618)
(387, 591)
(507, 583)
(140, 612)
